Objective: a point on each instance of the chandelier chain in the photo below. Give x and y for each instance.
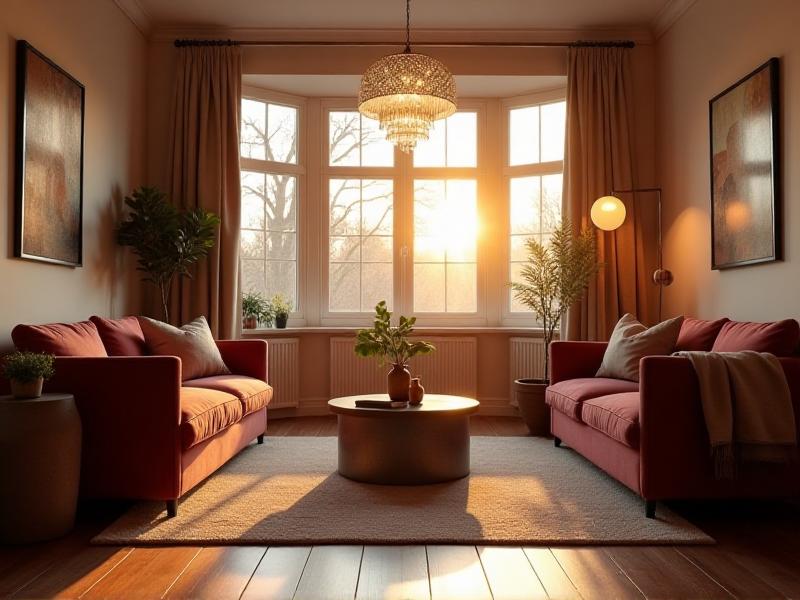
(408, 27)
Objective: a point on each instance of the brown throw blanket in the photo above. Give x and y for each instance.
(747, 408)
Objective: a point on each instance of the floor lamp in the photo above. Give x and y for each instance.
(608, 213)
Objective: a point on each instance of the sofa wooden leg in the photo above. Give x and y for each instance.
(650, 509)
(172, 508)
(557, 442)
(261, 439)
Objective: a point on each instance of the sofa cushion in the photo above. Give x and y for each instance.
(254, 394)
(567, 396)
(616, 415)
(121, 337)
(61, 339)
(192, 343)
(698, 334)
(631, 341)
(780, 338)
(204, 413)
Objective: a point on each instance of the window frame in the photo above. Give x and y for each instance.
(508, 317)
(298, 317)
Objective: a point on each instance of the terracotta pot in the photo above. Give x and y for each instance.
(281, 320)
(415, 392)
(529, 394)
(26, 390)
(250, 322)
(399, 380)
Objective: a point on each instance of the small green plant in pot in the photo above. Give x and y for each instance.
(27, 372)
(256, 310)
(281, 307)
(391, 344)
(553, 279)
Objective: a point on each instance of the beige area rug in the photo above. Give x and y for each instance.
(522, 491)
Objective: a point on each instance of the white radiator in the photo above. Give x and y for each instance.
(284, 372)
(451, 369)
(526, 359)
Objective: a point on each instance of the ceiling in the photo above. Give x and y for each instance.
(346, 86)
(425, 14)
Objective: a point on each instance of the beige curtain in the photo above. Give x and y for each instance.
(204, 173)
(599, 157)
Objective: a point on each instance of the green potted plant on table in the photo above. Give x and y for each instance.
(391, 344)
(166, 240)
(256, 310)
(281, 307)
(27, 372)
(553, 279)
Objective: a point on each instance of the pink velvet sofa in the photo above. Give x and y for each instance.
(651, 435)
(147, 434)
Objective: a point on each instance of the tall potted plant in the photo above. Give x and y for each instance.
(166, 240)
(391, 344)
(553, 279)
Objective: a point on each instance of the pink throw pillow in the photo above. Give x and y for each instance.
(61, 339)
(780, 338)
(698, 334)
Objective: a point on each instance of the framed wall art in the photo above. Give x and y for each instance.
(745, 171)
(49, 161)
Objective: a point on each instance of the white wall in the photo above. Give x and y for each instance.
(97, 44)
(712, 46)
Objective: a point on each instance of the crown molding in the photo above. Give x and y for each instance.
(137, 15)
(669, 15)
(392, 37)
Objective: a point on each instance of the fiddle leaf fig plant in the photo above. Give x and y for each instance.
(388, 343)
(166, 241)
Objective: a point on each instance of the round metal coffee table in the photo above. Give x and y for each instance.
(416, 445)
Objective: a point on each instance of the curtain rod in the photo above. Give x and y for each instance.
(576, 44)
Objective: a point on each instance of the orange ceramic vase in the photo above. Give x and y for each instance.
(399, 380)
(415, 392)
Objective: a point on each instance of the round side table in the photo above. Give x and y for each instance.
(40, 461)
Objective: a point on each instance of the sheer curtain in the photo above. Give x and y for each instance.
(204, 172)
(599, 158)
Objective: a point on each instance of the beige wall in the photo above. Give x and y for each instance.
(713, 45)
(96, 43)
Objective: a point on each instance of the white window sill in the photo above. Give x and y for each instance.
(294, 331)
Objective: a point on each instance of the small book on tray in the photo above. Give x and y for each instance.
(364, 403)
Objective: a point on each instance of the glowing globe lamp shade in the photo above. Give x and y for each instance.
(608, 213)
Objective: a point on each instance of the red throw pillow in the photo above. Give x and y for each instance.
(780, 338)
(121, 337)
(698, 334)
(61, 339)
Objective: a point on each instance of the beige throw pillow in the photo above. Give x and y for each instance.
(192, 343)
(631, 341)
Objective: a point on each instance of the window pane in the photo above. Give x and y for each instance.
(252, 244)
(445, 240)
(253, 129)
(281, 246)
(525, 205)
(516, 305)
(551, 201)
(554, 118)
(360, 247)
(453, 142)
(281, 278)
(282, 128)
(357, 141)
(462, 140)
(281, 204)
(253, 198)
(524, 135)
(253, 276)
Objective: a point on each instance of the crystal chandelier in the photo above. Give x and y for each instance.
(406, 93)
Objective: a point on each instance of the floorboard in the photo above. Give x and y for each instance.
(510, 574)
(554, 579)
(331, 573)
(737, 579)
(219, 573)
(595, 575)
(456, 574)
(393, 573)
(278, 574)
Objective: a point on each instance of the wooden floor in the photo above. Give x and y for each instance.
(758, 556)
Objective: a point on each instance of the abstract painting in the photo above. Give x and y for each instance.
(745, 171)
(49, 161)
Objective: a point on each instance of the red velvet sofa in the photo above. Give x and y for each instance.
(146, 433)
(651, 435)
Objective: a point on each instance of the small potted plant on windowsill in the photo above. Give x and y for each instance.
(281, 307)
(27, 372)
(256, 310)
(391, 344)
(553, 279)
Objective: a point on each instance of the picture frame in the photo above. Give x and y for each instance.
(745, 169)
(50, 111)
